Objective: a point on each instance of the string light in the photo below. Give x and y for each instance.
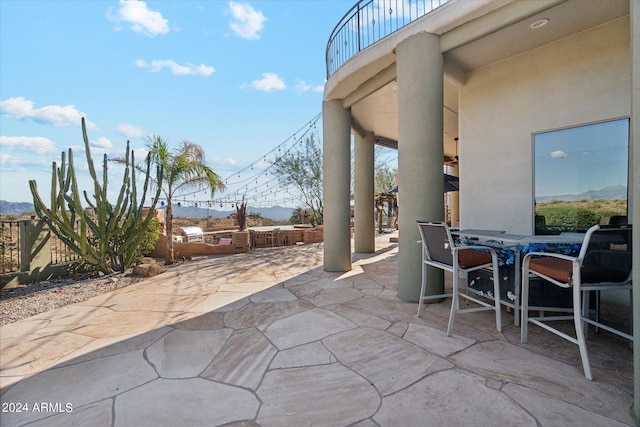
(261, 190)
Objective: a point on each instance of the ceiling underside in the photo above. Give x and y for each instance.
(378, 112)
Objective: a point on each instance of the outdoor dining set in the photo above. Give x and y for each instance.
(558, 276)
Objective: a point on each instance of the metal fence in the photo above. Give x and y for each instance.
(10, 246)
(13, 243)
(60, 252)
(370, 21)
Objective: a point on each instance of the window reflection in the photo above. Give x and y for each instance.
(580, 176)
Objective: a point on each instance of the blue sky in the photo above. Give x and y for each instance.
(238, 78)
(582, 158)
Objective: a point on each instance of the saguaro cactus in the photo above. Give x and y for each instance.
(108, 234)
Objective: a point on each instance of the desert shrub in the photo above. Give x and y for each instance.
(149, 239)
(568, 216)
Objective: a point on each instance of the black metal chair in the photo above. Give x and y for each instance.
(604, 263)
(439, 250)
(618, 220)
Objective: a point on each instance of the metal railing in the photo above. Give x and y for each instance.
(60, 252)
(368, 22)
(9, 246)
(14, 247)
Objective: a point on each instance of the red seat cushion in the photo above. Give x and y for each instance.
(468, 258)
(555, 268)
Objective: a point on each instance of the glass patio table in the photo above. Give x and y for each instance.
(511, 248)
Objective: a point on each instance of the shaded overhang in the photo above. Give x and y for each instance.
(473, 35)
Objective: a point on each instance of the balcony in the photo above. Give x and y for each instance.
(369, 21)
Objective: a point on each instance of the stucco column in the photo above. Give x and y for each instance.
(336, 182)
(419, 68)
(634, 191)
(364, 194)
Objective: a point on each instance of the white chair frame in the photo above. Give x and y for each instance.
(457, 270)
(580, 295)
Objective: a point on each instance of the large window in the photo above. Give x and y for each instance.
(580, 176)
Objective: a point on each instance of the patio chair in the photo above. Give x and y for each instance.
(604, 263)
(618, 220)
(441, 251)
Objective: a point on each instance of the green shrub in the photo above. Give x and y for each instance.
(568, 216)
(149, 240)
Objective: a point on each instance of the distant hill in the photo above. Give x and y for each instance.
(613, 192)
(12, 208)
(276, 213)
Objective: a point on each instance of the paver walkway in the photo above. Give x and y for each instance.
(270, 339)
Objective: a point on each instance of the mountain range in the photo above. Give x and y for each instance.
(276, 213)
(279, 213)
(11, 208)
(613, 192)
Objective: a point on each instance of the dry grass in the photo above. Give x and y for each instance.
(605, 208)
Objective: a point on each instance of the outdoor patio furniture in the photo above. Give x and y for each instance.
(511, 249)
(604, 263)
(440, 250)
(618, 220)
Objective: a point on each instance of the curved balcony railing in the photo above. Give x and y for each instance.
(370, 21)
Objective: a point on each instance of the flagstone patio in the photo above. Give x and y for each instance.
(268, 338)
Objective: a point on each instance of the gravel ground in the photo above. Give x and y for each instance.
(26, 301)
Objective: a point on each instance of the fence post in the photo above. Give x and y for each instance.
(24, 245)
(35, 248)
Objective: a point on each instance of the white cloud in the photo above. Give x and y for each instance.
(36, 144)
(55, 115)
(102, 142)
(129, 131)
(179, 70)
(142, 20)
(140, 154)
(31, 165)
(225, 162)
(246, 21)
(269, 83)
(558, 154)
(303, 86)
(7, 160)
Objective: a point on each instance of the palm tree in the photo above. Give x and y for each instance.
(184, 169)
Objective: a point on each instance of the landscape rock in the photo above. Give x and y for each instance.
(146, 270)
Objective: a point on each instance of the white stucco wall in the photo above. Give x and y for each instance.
(581, 79)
